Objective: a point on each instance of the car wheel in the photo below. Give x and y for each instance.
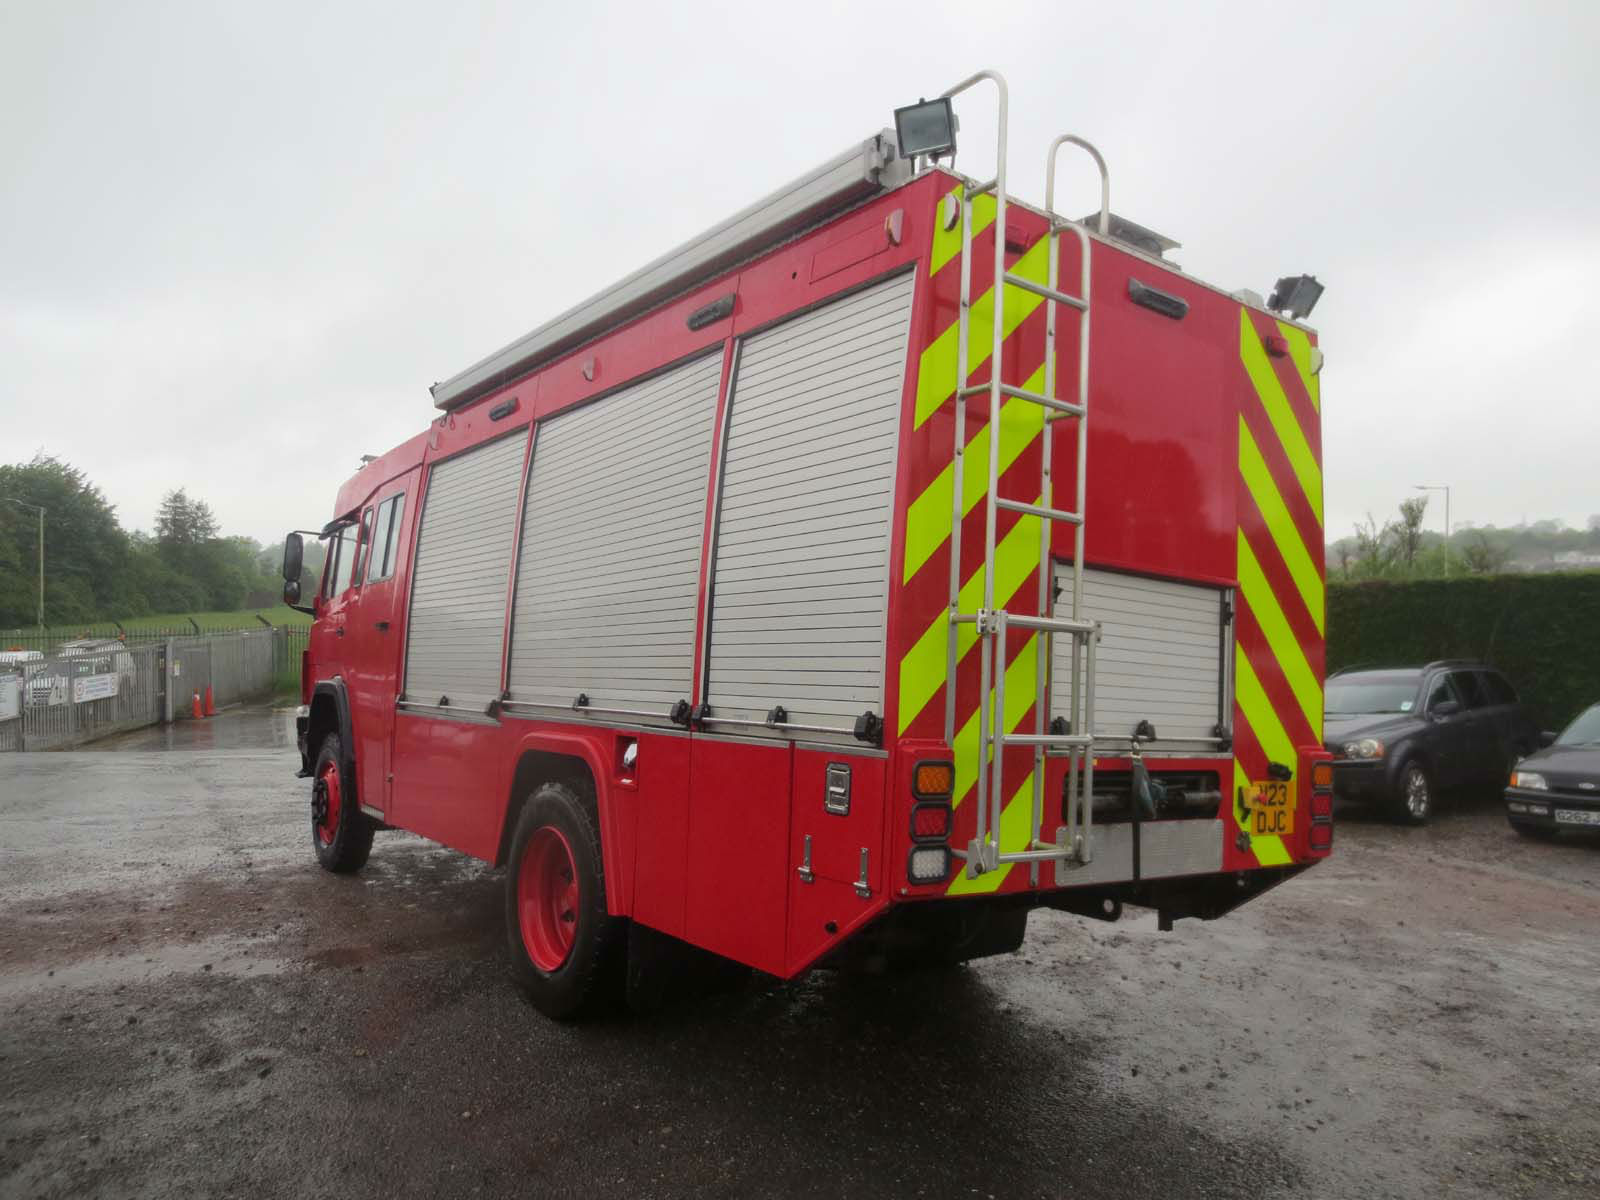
(340, 832)
(565, 948)
(1538, 833)
(1413, 801)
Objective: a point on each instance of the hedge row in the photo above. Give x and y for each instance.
(1543, 631)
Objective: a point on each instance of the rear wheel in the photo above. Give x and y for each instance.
(1413, 800)
(564, 946)
(340, 832)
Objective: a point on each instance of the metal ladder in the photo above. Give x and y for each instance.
(1072, 844)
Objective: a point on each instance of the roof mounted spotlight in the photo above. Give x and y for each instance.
(1296, 295)
(926, 127)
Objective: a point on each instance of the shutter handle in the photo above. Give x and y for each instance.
(383, 627)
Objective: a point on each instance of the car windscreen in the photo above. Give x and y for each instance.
(1585, 731)
(1390, 693)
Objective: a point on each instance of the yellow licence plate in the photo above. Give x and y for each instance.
(1271, 807)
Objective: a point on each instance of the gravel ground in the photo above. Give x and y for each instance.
(188, 1006)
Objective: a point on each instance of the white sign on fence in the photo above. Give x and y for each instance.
(94, 687)
(10, 697)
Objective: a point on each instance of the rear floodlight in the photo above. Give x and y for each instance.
(926, 127)
(1296, 295)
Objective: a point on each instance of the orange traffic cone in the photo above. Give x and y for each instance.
(211, 709)
(194, 707)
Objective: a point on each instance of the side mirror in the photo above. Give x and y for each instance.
(291, 592)
(294, 553)
(1547, 738)
(1445, 708)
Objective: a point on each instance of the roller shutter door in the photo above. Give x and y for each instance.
(609, 572)
(802, 555)
(456, 632)
(1160, 656)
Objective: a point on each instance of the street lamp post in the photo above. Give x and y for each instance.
(40, 509)
(1445, 488)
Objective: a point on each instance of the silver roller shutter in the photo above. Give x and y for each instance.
(456, 632)
(802, 556)
(1160, 655)
(609, 573)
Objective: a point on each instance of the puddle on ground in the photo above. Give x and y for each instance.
(210, 956)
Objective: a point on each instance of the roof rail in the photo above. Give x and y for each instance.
(867, 168)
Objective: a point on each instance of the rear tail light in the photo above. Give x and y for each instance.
(1321, 831)
(930, 822)
(933, 780)
(928, 864)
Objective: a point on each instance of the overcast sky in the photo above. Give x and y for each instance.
(237, 242)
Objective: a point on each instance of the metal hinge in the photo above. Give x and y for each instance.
(805, 862)
(863, 888)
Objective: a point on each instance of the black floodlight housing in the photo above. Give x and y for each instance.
(1296, 295)
(926, 127)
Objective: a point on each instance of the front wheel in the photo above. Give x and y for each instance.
(564, 946)
(340, 832)
(1413, 802)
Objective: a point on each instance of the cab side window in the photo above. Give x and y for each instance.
(1439, 693)
(1471, 690)
(342, 560)
(385, 539)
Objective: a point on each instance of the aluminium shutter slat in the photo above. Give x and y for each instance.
(1160, 655)
(456, 629)
(800, 581)
(609, 572)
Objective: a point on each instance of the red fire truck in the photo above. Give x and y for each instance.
(888, 561)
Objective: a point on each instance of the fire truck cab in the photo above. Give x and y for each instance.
(890, 560)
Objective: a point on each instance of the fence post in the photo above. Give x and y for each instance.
(166, 667)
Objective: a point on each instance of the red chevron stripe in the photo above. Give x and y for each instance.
(1294, 388)
(1265, 664)
(1294, 496)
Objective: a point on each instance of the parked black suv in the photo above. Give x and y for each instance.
(1401, 734)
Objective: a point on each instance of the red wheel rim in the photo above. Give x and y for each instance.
(547, 898)
(325, 804)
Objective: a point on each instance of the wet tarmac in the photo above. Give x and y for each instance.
(189, 1006)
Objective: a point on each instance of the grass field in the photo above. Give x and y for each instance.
(279, 615)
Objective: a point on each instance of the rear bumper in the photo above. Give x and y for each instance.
(1543, 810)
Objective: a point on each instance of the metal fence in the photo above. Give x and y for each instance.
(76, 695)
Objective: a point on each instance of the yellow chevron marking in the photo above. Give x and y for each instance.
(936, 370)
(1279, 413)
(947, 242)
(1257, 709)
(1021, 678)
(1016, 820)
(1016, 557)
(1268, 848)
(1302, 568)
(1280, 638)
(1300, 351)
(928, 517)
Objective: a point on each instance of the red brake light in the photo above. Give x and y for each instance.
(930, 822)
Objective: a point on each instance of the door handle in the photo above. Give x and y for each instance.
(383, 627)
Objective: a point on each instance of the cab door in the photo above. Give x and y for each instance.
(373, 647)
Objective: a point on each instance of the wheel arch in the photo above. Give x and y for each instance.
(330, 713)
(575, 760)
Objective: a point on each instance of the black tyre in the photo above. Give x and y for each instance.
(340, 832)
(1538, 833)
(1413, 798)
(566, 950)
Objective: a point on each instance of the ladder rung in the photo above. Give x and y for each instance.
(1050, 624)
(976, 389)
(974, 192)
(1037, 510)
(1043, 739)
(1049, 293)
(1065, 406)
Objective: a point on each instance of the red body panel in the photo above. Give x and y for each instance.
(704, 839)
